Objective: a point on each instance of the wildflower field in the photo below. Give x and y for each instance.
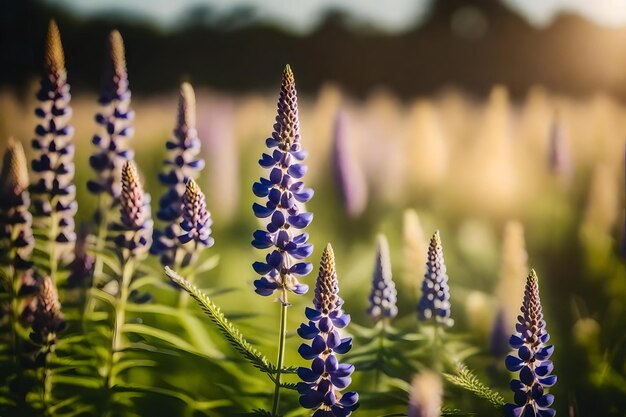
(275, 254)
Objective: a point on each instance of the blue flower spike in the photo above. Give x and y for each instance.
(531, 359)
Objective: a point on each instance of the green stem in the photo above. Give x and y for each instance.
(52, 235)
(120, 316)
(46, 382)
(382, 324)
(436, 353)
(98, 269)
(281, 351)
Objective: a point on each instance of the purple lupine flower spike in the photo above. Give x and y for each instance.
(323, 383)
(15, 219)
(559, 153)
(531, 359)
(47, 318)
(81, 268)
(350, 180)
(115, 119)
(136, 221)
(383, 296)
(53, 193)
(434, 306)
(181, 164)
(196, 223)
(285, 193)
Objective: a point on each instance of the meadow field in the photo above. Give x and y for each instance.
(509, 184)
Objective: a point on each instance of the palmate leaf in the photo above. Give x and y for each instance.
(466, 379)
(230, 332)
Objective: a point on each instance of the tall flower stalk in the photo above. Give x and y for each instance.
(434, 305)
(115, 119)
(415, 249)
(54, 195)
(182, 164)
(285, 194)
(348, 175)
(48, 321)
(531, 359)
(426, 394)
(323, 382)
(383, 295)
(16, 235)
(133, 241)
(195, 228)
(382, 299)
(16, 239)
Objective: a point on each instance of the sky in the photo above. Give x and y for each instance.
(302, 15)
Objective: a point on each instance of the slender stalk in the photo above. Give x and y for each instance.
(54, 263)
(46, 383)
(436, 357)
(382, 325)
(120, 315)
(281, 351)
(100, 242)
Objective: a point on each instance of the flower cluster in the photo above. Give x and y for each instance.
(196, 223)
(348, 175)
(383, 296)
(48, 319)
(15, 219)
(324, 381)
(54, 195)
(532, 359)
(81, 268)
(115, 119)
(434, 306)
(182, 163)
(136, 221)
(425, 396)
(285, 195)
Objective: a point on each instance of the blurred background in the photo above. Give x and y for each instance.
(501, 123)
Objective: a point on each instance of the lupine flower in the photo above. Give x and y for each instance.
(182, 163)
(498, 345)
(415, 249)
(513, 266)
(285, 194)
(81, 268)
(350, 179)
(559, 156)
(383, 296)
(48, 318)
(15, 219)
(531, 359)
(30, 283)
(54, 195)
(434, 306)
(115, 119)
(323, 383)
(136, 221)
(196, 224)
(425, 395)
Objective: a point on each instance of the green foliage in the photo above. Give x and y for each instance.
(232, 334)
(466, 379)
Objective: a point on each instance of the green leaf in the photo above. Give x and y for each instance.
(205, 405)
(207, 264)
(163, 335)
(230, 332)
(124, 365)
(78, 381)
(466, 379)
